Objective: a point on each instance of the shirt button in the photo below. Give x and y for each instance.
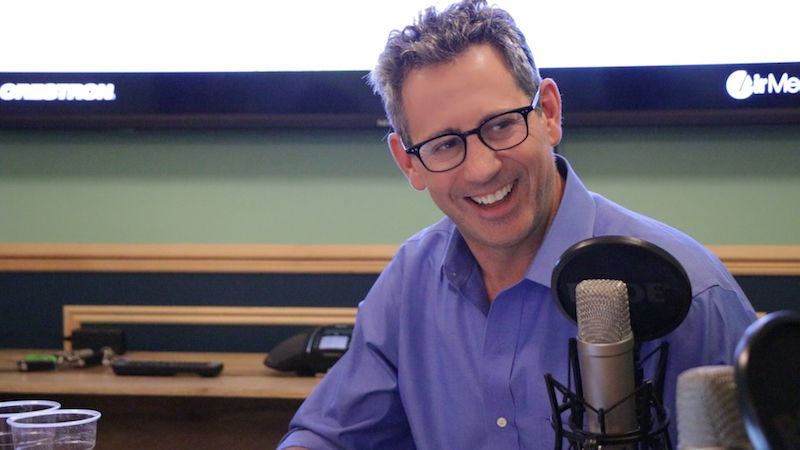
(502, 422)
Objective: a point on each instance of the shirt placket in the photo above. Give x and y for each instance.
(499, 348)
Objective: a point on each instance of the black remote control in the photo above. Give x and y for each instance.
(165, 368)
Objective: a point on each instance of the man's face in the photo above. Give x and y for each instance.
(499, 200)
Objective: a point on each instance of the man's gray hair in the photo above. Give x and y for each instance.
(440, 36)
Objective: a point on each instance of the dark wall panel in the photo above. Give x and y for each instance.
(30, 303)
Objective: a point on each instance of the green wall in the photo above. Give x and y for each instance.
(723, 185)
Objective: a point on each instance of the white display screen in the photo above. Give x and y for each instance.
(302, 64)
(242, 36)
(334, 342)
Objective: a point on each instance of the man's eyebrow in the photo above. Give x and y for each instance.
(481, 121)
(441, 133)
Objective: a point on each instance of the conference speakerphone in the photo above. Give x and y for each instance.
(311, 352)
(166, 368)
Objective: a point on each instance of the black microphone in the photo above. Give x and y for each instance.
(708, 414)
(659, 290)
(635, 292)
(767, 370)
(605, 355)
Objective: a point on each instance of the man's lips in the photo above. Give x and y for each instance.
(490, 199)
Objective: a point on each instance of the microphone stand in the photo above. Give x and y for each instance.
(652, 418)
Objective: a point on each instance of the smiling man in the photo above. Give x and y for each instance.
(452, 343)
(504, 193)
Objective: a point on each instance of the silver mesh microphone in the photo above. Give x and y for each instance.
(605, 354)
(708, 413)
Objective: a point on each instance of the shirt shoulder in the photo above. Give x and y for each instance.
(428, 246)
(704, 269)
(418, 259)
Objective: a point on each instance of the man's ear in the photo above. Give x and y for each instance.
(405, 162)
(550, 99)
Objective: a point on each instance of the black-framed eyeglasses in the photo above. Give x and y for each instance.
(500, 132)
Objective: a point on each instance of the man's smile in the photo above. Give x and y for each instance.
(490, 199)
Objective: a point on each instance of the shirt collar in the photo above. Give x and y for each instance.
(458, 262)
(574, 222)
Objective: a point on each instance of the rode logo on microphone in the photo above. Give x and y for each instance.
(63, 92)
(741, 85)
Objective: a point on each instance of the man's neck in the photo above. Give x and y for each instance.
(503, 269)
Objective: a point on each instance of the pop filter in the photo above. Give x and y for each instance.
(659, 290)
(767, 373)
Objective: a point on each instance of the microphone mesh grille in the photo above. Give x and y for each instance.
(708, 412)
(602, 311)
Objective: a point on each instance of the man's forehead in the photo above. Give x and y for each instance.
(459, 94)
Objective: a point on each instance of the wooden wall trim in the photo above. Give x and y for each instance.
(74, 316)
(760, 259)
(195, 258)
(265, 258)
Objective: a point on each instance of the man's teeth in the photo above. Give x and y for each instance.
(493, 198)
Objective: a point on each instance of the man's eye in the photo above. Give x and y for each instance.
(445, 145)
(501, 123)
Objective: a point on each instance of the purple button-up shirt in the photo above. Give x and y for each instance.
(434, 365)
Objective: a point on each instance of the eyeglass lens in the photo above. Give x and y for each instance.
(499, 133)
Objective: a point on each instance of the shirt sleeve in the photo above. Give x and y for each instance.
(716, 322)
(357, 405)
(717, 319)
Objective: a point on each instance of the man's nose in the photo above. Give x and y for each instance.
(481, 162)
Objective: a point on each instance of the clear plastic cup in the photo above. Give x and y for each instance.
(10, 408)
(59, 429)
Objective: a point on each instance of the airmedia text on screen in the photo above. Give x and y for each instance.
(742, 85)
